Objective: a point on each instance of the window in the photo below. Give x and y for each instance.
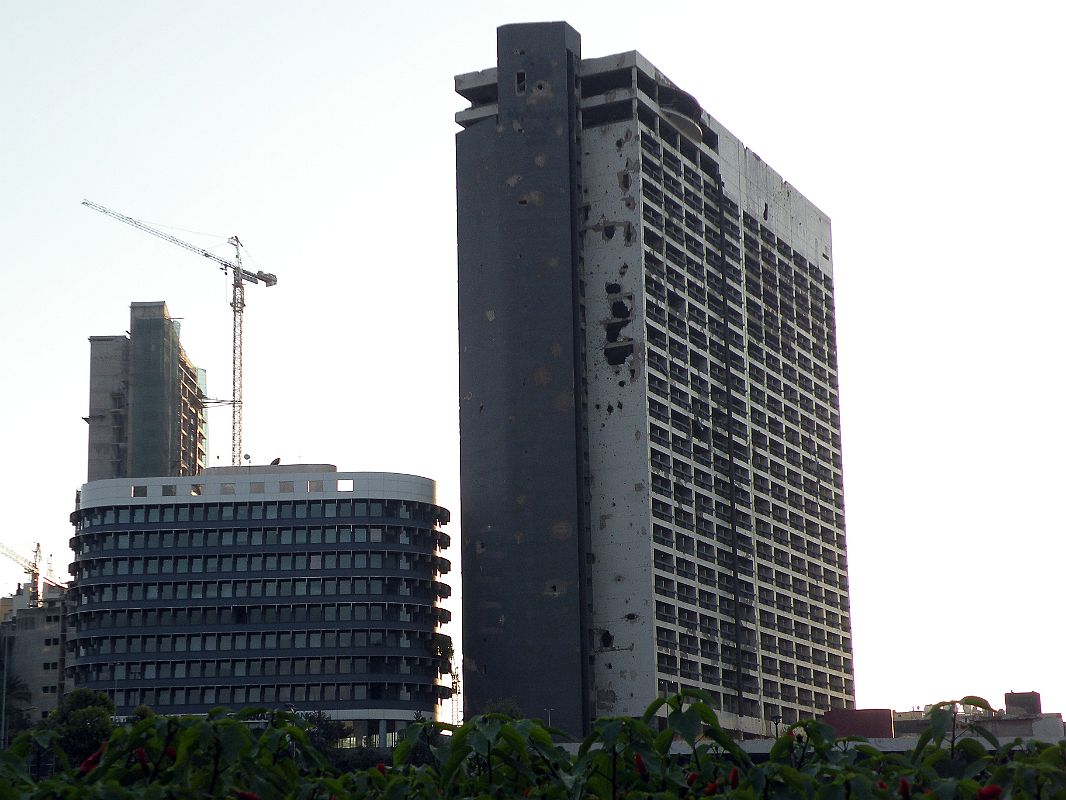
(170, 490)
(139, 491)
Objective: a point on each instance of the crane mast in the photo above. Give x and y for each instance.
(240, 275)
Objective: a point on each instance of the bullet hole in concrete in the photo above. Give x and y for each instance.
(597, 406)
(606, 639)
(621, 306)
(625, 181)
(631, 616)
(629, 203)
(520, 82)
(632, 373)
(608, 231)
(616, 356)
(479, 547)
(621, 383)
(522, 201)
(619, 405)
(540, 86)
(609, 665)
(766, 211)
(610, 409)
(623, 269)
(628, 234)
(480, 408)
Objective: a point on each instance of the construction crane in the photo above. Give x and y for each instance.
(33, 569)
(240, 277)
(456, 689)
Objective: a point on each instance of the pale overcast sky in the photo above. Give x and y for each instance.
(322, 134)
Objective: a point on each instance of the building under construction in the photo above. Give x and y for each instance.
(146, 409)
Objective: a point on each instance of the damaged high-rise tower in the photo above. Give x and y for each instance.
(651, 471)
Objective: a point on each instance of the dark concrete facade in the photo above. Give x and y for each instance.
(522, 510)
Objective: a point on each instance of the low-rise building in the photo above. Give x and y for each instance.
(32, 646)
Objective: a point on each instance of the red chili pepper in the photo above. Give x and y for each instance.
(381, 767)
(990, 792)
(710, 788)
(246, 795)
(692, 777)
(638, 762)
(904, 789)
(734, 778)
(141, 756)
(171, 753)
(526, 792)
(89, 764)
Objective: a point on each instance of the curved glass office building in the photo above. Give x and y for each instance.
(277, 586)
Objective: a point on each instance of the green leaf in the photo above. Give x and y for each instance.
(653, 707)
(985, 734)
(687, 724)
(939, 723)
(973, 700)
(663, 741)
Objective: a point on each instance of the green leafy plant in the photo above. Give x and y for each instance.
(676, 751)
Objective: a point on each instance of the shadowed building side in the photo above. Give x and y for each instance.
(522, 508)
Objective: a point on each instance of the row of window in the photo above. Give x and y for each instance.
(212, 617)
(211, 696)
(388, 667)
(257, 537)
(419, 643)
(210, 512)
(278, 589)
(265, 562)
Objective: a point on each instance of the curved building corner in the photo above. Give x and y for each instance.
(280, 586)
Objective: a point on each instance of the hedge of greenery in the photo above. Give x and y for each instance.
(266, 755)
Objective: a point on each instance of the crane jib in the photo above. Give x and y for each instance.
(240, 275)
